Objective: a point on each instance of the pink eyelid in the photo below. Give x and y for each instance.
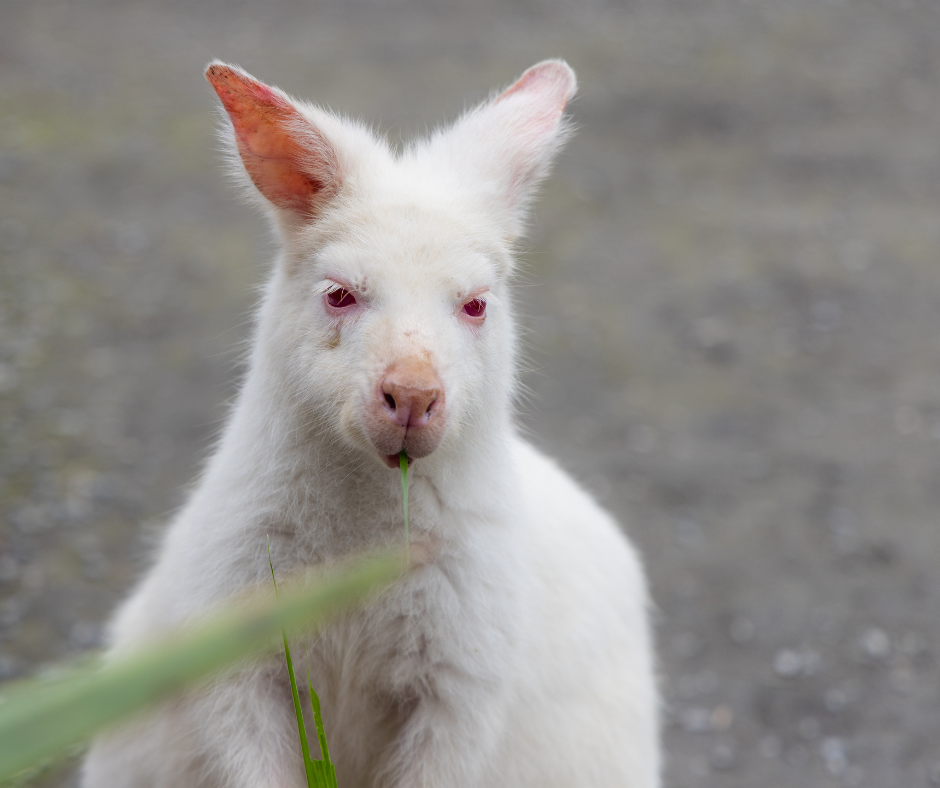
(350, 297)
(341, 298)
(474, 304)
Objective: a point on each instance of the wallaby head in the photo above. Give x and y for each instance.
(387, 321)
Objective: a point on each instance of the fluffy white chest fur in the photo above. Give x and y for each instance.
(519, 654)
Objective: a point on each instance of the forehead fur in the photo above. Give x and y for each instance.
(403, 208)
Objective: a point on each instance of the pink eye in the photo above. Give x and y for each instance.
(340, 298)
(475, 308)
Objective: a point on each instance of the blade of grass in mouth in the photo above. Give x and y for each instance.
(403, 464)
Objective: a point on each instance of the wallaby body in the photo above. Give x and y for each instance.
(519, 653)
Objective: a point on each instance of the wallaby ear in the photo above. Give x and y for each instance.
(511, 139)
(289, 160)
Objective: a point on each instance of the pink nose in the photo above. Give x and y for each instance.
(407, 411)
(410, 402)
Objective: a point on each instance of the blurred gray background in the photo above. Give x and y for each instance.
(732, 291)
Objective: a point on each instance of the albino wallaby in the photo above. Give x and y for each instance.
(519, 653)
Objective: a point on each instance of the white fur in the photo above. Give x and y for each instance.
(520, 655)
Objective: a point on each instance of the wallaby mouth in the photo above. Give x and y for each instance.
(406, 411)
(394, 460)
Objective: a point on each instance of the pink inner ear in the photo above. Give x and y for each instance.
(548, 85)
(529, 112)
(287, 158)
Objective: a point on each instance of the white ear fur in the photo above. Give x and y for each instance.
(506, 144)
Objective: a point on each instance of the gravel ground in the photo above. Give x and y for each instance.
(731, 284)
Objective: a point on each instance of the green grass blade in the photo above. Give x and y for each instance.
(403, 465)
(309, 767)
(298, 710)
(329, 772)
(42, 719)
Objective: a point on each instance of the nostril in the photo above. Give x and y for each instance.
(390, 400)
(433, 403)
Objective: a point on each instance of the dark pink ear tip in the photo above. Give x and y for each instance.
(221, 76)
(230, 80)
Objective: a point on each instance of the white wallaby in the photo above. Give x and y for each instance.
(519, 653)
